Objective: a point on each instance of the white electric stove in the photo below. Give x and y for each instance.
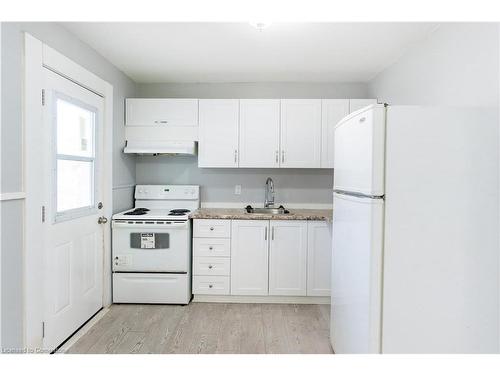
(152, 246)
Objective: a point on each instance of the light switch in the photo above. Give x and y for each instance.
(237, 189)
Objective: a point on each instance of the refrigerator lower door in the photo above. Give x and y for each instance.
(356, 274)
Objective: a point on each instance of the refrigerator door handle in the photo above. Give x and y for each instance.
(358, 195)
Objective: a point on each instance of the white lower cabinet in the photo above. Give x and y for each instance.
(288, 258)
(211, 256)
(249, 257)
(319, 255)
(262, 257)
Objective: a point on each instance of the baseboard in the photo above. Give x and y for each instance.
(263, 299)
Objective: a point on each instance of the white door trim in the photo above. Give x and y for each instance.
(37, 57)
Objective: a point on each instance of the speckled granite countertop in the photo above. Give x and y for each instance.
(241, 214)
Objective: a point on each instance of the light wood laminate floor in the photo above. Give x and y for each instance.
(209, 328)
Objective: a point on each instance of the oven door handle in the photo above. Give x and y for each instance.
(151, 227)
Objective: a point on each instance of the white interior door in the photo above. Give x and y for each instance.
(74, 240)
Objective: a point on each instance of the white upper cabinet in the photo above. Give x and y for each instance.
(259, 133)
(218, 133)
(161, 112)
(355, 104)
(300, 133)
(288, 258)
(332, 111)
(249, 257)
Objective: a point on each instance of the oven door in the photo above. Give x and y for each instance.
(151, 247)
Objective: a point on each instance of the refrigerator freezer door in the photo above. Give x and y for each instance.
(356, 274)
(441, 231)
(360, 152)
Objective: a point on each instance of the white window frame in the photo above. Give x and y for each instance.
(60, 216)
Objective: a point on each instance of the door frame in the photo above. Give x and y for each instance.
(38, 57)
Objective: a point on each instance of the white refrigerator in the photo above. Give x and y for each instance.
(415, 258)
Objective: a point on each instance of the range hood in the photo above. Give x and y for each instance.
(160, 147)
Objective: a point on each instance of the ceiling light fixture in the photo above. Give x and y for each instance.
(260, 25)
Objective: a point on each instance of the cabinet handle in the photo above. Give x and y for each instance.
(210, 267)
(272, 233)
(161, 122)
(210, 248)
(211, 228)
(210, 286)
(235, 156)
(283, 156)
(277, 156)
(265, 234)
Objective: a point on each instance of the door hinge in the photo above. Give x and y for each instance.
(43, 214)
(43, 329)
(43, 96)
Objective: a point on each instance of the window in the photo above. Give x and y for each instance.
(75, 153)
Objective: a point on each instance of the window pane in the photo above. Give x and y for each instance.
(74, 184)
(75, 129)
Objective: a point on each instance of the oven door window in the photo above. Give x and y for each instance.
(149, 240)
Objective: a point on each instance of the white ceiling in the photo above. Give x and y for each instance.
(237, 52)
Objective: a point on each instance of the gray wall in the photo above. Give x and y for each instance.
(287, 90)
(217, 185)
(456, 65)
(11, 151)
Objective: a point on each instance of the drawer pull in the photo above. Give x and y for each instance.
(210, 286)
(210, 248)
(210, 267)
(211, 228)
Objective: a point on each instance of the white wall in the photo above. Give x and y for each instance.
(217, 185)
(12, 156)
(456, 65)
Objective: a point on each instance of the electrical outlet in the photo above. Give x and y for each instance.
(237, 189)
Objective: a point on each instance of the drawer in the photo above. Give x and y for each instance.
(151, 288)
(211, 285)
(210, 247)
(212, 228)
(211, 266)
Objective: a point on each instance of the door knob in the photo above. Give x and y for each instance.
(102, 220)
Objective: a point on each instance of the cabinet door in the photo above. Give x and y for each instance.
(288, 258)
(332, 111)
(249, 257)
(300, 133)
(319, 258)
(161, 112)
(355, 104)
(218, 133)
(259, 133)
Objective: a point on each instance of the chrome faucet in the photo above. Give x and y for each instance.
(269, 201)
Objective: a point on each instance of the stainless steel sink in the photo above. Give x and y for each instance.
(267, 211)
